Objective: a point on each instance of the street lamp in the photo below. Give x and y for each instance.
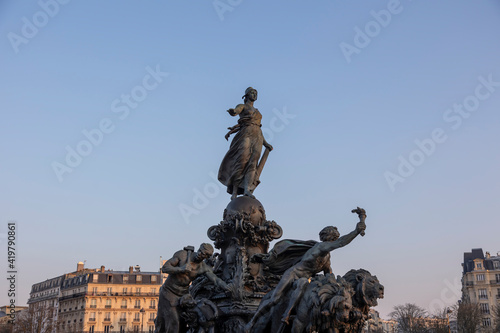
(142, 311)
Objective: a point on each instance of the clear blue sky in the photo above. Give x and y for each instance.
(359, 102)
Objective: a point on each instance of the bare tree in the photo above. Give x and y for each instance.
(410, 318)
(496, 317)
(38, 318)
(440, 321)
(469, 317)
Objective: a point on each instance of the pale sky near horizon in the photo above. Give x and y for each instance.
(392, 106)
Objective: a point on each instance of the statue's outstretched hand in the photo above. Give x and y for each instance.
(268, 146)
(361, 226)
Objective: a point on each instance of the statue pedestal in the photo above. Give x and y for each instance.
(243, 232)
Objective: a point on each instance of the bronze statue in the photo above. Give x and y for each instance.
(240, 169)
(185, 266)
(315, 260)
(329, 304)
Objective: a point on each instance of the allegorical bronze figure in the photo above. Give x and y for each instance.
(185, 266)
(241, 167)
(315, 260)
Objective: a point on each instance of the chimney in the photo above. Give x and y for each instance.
(137, 268)
(102, 269)
(79, 266)
(130, 270)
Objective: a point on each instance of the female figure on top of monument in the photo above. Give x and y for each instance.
(240, 169)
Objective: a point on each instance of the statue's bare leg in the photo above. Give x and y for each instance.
(300, 287)
(246, 181)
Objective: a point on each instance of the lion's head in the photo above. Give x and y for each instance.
(367, 287)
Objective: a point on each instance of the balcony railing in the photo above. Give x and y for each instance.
(494, 282)
(136, 319)
(123, 306)
(93, 306)
(107, 306)
(137, 306)
(469, 283)
(123, 320)
(115, 294)
(91, 319)
(152, 306)
(107, 319)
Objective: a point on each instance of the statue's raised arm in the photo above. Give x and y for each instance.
(241, 167)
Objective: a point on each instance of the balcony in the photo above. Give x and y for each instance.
(469, 283)
(123, 306)
(137, 306)
(498, 296)
(107, 319)
(122, 320)
(107, 306)
(494, 282)
(93, 306)
(92, 319)
(137, 319)
(152, 307)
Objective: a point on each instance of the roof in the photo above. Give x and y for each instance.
(469, 259)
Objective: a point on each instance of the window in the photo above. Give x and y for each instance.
(136, 328)
(107, 316)
(485, 308)
(497, 277)
(110, 278)
(138, 278)
(124, 303)
(93, 304)
(152, 304)
(153, 291)
(153, 278)
(138, 290)
(125, 278)
(91, 329)
(94, 278)
(109, 290)
(94, 291)
(106, 329)
(151, 316)
(486, 322)
(496, 264)
(483, 294)
(108, 304)
(122, 329)
(137, 316)
(123, 316)
(124, 291)
(92, 316)
(151, 329)
(479, 265)
(137, 304)
(480, 277)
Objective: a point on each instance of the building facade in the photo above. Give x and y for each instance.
(100, 300)
(481, 282)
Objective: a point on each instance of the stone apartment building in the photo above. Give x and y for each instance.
(100, 300)
(481, 282)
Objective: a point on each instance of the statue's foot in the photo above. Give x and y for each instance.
(248, 194)
(233, 196)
